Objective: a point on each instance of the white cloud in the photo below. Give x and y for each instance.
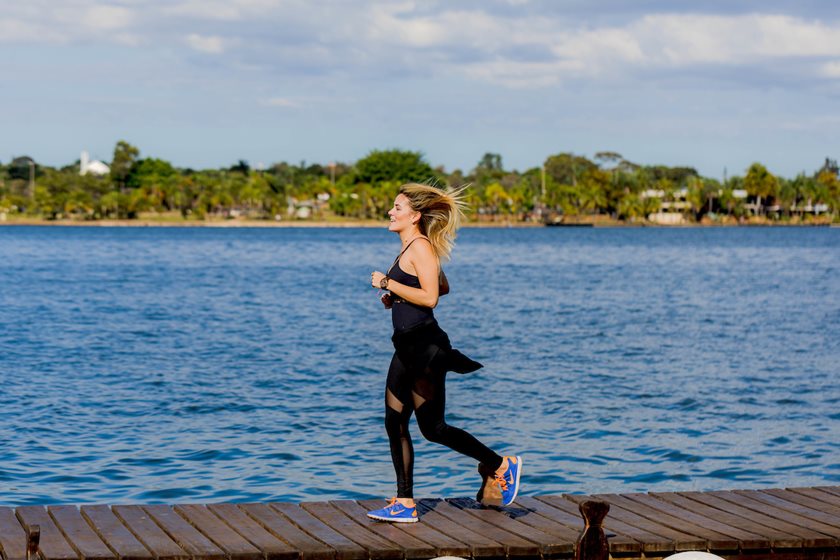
(105, 18)
(684, 39)
(211, 44)
(230, 10)
(386, 37)
(39, 21)
(19, 30)
(668, 40)
(280, 102)
(831, 69)
(663, 41)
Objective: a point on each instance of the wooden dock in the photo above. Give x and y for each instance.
(793, 524)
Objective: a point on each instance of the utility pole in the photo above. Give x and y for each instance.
(543, 182)
(31, 179)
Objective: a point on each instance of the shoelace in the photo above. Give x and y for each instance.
(393, 503)
(500, 478)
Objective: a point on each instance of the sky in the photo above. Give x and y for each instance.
(715, 85)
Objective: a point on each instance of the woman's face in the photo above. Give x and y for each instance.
(402, 216)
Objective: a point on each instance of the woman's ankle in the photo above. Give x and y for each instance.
(407, 502)
(503, 467)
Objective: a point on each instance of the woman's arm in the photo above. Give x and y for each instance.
(425, 263)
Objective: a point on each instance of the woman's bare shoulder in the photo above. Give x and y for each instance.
(421, 248)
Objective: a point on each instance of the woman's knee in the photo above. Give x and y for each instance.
(433, 429)
(395, 423)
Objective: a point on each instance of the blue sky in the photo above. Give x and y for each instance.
(204, 83)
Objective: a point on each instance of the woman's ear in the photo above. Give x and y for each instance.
(418, 215)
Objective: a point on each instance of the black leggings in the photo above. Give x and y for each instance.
(423, 393)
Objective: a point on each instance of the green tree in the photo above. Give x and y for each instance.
(498, 199)
(393, 165)
(241, 167)
(566, 168)
(157, 179)
(608, 158)
(631, 207)
(491, 162)
(677, 175)
(125, 155)
(760, 183)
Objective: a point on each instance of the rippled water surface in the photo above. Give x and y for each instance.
(168, 364)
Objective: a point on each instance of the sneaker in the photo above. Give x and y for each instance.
(509, 480)
(395, 512)
(489, 494)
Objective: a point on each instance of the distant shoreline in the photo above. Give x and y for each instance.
(239, 223)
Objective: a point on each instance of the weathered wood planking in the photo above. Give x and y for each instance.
(791, 524)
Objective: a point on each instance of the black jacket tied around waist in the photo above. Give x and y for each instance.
(426, 346)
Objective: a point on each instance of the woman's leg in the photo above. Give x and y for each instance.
(398, 409)
(429, 398)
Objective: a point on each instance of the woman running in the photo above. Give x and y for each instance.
(426, 219)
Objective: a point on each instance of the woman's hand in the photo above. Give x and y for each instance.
(387, 300)
(375, 278)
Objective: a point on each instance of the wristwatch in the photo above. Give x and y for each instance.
(383, 284)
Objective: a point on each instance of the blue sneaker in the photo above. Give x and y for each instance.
(509, 481)
(395, 512)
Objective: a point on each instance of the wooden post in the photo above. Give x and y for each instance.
(33, 539)
(592, 543)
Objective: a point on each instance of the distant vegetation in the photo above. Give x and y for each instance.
(567, 187)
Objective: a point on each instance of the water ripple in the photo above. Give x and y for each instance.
(163, 365)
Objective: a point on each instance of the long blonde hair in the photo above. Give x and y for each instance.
(441, 212)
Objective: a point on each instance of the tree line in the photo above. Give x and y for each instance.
(567, 186)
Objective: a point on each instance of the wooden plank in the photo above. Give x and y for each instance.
(79, 534)
(526, 512)
(648, 542)
(727, 537)
(810, 509)
(682, 538)
(149, 533)
(282, 528)
(403, 535)
(773, 538)
(818, 494)
(378, 548)
(116, 535)
(187, 536)
(565, 525)
(232, 543)
(12, 535)
(53, 544)
(506, 519)
(480, 545)
(833, 490)
(270, 546)
(771, 506)
(684, 521)
(812, 497)
(513, 544)
(345, 549)
(655, 539)
(805, 538)
(443, 544)
(571, 520)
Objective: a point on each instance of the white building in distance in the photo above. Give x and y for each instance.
(94, 167)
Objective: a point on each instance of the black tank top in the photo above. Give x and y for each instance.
(405, 314)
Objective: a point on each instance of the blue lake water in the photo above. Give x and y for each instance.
(163, 365)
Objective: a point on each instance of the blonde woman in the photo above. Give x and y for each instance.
(426, 218)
